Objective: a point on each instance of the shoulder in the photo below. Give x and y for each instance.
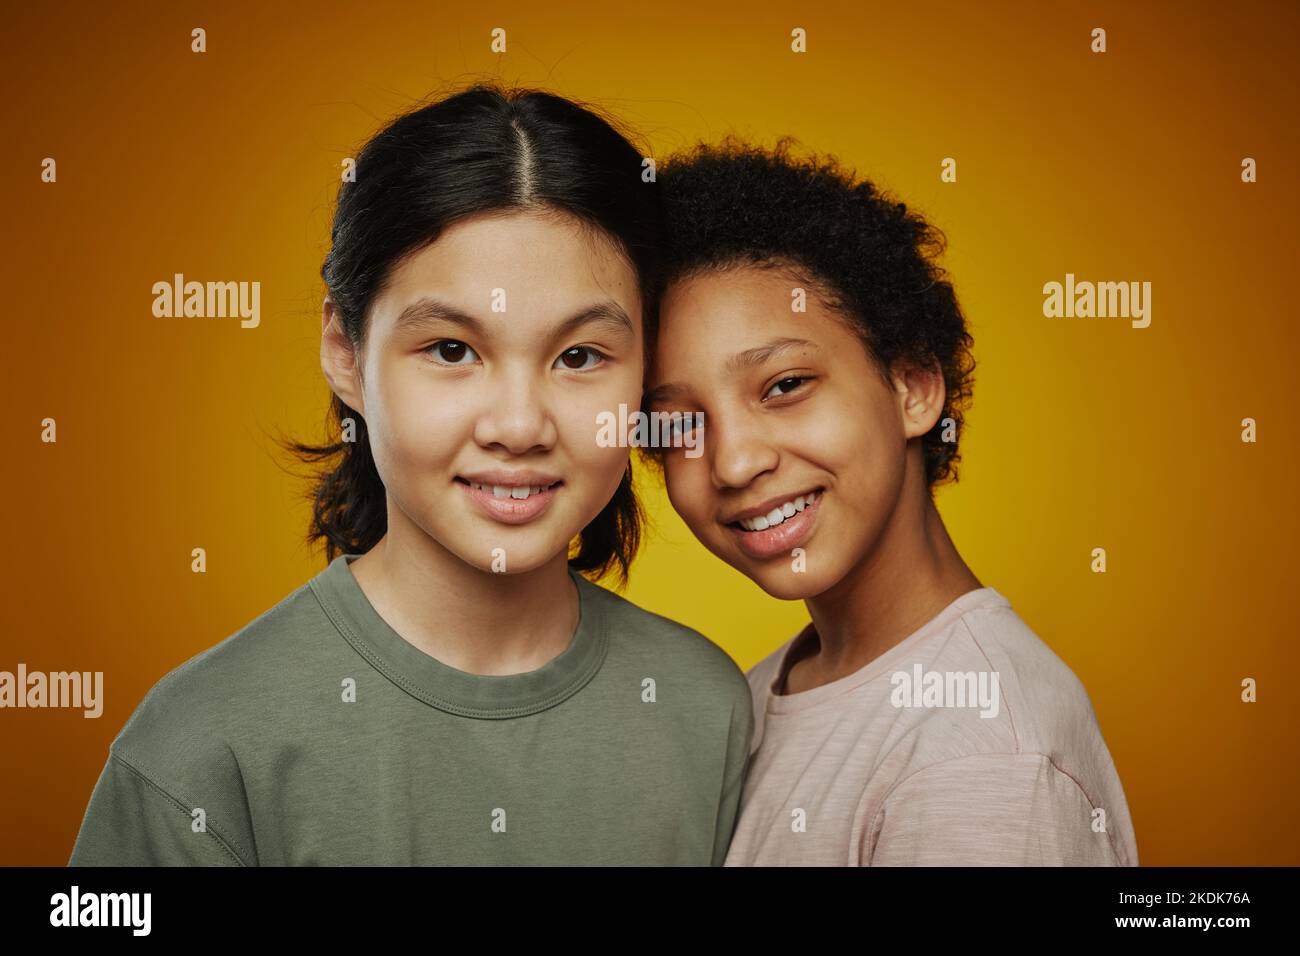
(1045, 704)
(638, 636)
(1002, 634)
(178, 748)
(982, 683)
(1042, 735)
(190, 713)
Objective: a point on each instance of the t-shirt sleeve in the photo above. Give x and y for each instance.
(989, 810)
(738, 742)
(133, 821)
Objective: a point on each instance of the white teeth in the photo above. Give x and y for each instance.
(510, 491)
(777, 515)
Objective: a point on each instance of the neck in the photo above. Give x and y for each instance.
(476, 621)
(911, 574)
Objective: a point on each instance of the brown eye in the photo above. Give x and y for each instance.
(450, 352)
(575, 358)
(790, 383)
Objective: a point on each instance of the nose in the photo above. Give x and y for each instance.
(741, 451)
(516, 414)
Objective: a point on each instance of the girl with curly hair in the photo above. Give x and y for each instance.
(916, 719)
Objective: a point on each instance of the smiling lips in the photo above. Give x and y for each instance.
(509, 499)
(784, 526)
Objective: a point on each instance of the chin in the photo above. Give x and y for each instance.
(520, 555)
(521, 558)
(784, 584)
(787, 584)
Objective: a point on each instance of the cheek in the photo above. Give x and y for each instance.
(856, 437)
(853, 451)
(599, 467)
(687, 483)
(869, 467)
(579, 410)
(411, 423)
(593, 472)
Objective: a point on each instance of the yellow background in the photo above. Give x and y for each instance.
(1084, 433)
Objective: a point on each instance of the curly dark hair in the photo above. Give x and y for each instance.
(860, 250)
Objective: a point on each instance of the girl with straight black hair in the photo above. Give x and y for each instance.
(451, 689)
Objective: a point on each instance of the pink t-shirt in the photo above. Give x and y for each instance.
(970, 743)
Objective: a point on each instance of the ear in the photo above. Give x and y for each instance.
(921, 395)
(338, 359)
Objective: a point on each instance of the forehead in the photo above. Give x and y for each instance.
(544, 262)
(733, 305)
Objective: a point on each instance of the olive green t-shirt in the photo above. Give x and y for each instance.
(316, 734)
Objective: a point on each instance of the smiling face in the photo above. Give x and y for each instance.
(489, 355)
(794, 409)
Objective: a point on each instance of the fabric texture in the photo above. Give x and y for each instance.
(873, 770)
(318, 735)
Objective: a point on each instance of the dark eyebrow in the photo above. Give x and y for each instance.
(608, 315)
(423, 313)
(749, 358)
(428, 311)
(757, 356)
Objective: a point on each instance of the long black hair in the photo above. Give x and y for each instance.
(482, 149)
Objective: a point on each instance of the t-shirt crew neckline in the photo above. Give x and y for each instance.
(456, 691)
(791, 703)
